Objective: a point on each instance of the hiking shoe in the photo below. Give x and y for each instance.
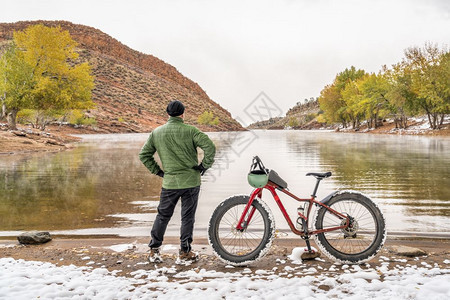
(155, 256)
(187, 257)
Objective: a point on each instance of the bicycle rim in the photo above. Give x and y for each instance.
(355, 240)
(241, 243)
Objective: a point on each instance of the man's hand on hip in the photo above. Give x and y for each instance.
(200, 168)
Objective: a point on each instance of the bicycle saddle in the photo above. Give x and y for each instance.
(320, 175)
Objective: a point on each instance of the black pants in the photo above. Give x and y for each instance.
(168, 201)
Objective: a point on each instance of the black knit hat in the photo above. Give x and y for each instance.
(175, 108)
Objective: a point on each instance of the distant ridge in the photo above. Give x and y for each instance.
(301, 116)
(132, 88)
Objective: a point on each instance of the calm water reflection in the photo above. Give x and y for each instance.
(102, 184)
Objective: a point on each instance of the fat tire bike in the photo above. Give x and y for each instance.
(348, 226)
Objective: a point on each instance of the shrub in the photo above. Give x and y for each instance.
(293, 122)
(207, 118)
(25, 116)
(77, 117)
(309, 117)
(321, 119)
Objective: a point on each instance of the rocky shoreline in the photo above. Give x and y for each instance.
(127, 255)
(416, 127)
(25, 141)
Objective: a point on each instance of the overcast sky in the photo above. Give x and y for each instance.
(236, 49)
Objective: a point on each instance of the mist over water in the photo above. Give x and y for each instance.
(101, 187)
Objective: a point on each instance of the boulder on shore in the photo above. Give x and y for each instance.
(34, 237)
(407, 251)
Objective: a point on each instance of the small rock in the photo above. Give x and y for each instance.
(310, 256)
(407, 251)
(19, 133)
(34, 237)
(53, 142)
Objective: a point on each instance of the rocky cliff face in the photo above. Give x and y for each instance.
(300, 116)
(132, 89)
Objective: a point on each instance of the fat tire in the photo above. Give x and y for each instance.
(375, 246)
(260, 250)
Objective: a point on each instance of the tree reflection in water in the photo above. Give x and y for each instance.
(103, 176)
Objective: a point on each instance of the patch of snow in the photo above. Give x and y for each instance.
(121, 247)
(21, 279)
(319, 259)
(311, 271)
(289, 269)
(296, 254)
(141, 218)
(169, 247)
(146, 204)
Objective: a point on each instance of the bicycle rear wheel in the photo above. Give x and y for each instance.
(360, 241)
(241, 247)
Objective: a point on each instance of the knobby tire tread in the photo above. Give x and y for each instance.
(260, 250)
(368, 253)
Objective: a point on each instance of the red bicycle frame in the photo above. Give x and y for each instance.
(242, 224)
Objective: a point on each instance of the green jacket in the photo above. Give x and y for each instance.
(176, 144)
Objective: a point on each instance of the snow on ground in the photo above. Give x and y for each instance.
(121, 247)
(21, 279)
(142, 248)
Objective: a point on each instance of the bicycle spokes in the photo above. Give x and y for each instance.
(357, 235)
(241, 239)
(349, 226)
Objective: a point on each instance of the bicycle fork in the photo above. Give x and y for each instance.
(249, 210)
(243, 223)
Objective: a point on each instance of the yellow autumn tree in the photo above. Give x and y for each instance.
(55, 80)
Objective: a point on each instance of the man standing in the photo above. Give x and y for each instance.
(176, 144)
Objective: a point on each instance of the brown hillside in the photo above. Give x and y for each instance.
(132, 89)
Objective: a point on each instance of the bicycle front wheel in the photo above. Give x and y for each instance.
(360, 241)
(240, 247)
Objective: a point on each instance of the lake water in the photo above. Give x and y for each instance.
(101, 187)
